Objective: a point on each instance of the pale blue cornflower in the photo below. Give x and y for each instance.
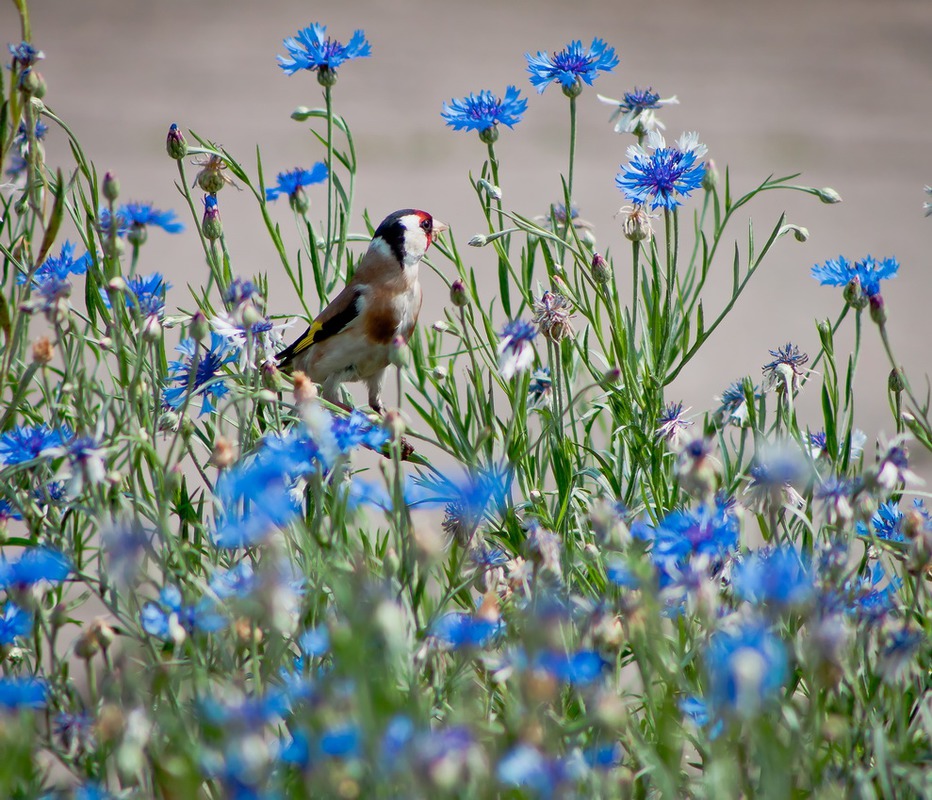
(635, 112)
(483, 112)
(571, 66)
(868, 272)
(540, 389)
(312, 50)
(710, 530)
(208, 378)
(515, 352)
(734, 405)
(745, 669)
(672, 424)
(458, 630)
(662, 177)
(292, 183)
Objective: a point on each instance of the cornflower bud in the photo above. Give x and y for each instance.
(458, 295)
(601, 271)
(636, 226)
(176, 145)
(199, 327)
(828, 195)
(211, 224)
(111, 187)
(896, 383)
(854, 293)
(42, 350)
(710, 176)
(299, 201)
(877, 310)
(210, 178)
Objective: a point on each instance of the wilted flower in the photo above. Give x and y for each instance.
(24, 54)
(635, 113)
(571, 66)
(734, 405)
(637, 226)
(786, 369)
(672, 424)
(892, 467)
(836, 496)
(772, 475)
(666, 174)
(539, 389)
(212, 177)
(515, 353)
(552, 313)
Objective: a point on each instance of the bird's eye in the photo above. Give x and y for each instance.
(425, 224)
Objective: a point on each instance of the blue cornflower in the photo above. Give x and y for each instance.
(571, 66)
(635, 112)
(745, 668)
(292, 182)
(777, 577)
(315, 642)
(697, 710)
(27, 442)
(527, 767)
(458, 629)
(515, 352)
(208, 379)
(484, 111)
(24, 54)
(14, 622)
(34, 565)
(255, 498)
(7, 512)
(395, 742)
(17, 693)
(356, 429)
(311, 50)
(135, 219)
(836, 493)
(872, 597)
(147, 293)
(886, 524)
(578, 669)
(709, 530)
(868, 272)
(170, 620)
(58, 267)
(539, 389)
(18, 166)
(665, 175)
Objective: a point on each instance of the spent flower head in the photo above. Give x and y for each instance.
(572, 66)
(786, 370)
(665, 175)
(313, 50)
(483, 112)
(552, 313)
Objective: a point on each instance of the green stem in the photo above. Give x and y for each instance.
(329, 101)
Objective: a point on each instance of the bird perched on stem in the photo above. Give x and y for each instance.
(351, 338)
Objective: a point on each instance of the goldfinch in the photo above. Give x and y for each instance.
(351, 338)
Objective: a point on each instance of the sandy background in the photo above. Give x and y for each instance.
(838, 90)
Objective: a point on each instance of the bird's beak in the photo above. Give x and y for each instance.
(437, 229)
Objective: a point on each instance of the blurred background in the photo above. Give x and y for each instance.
(837, 90)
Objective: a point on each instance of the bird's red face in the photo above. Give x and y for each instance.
(431, 227)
